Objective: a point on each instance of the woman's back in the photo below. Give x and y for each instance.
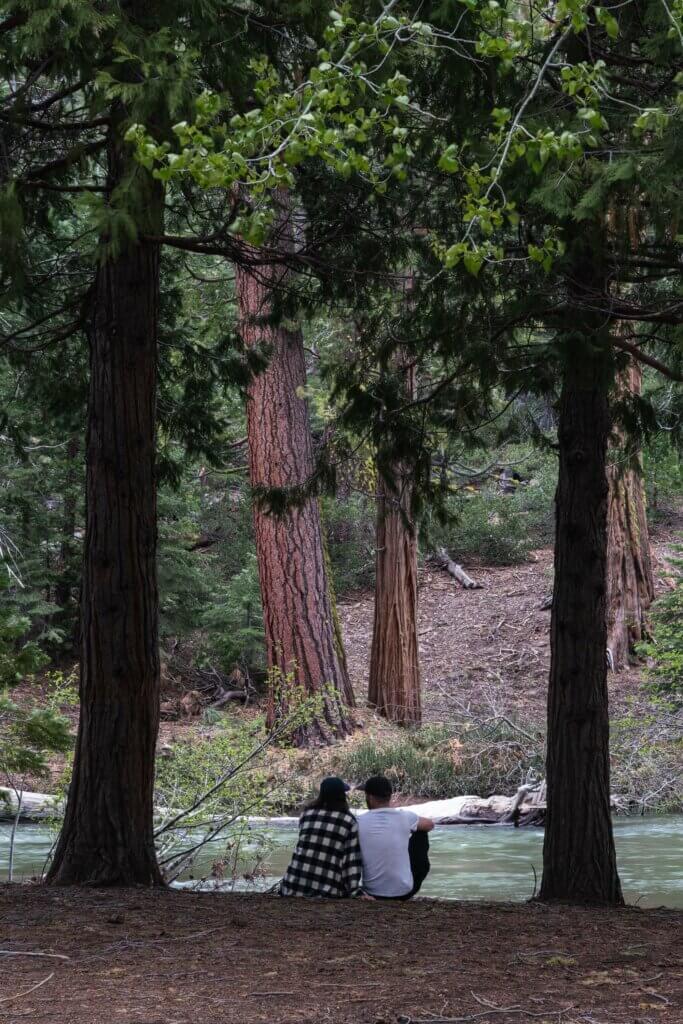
(327, 860)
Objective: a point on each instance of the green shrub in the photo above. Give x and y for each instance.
(233, 622)
(28, 733)
(192, 767)
(665, 649)
(437, 762)
(500, 529)
(663, 469)
(350, 526)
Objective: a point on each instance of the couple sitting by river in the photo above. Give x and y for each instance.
(382, 854)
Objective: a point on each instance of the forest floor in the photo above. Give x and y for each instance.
(492, 645)
(173, 957)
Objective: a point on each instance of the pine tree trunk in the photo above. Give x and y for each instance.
(107, 835)
(394, 687)
(579, 861)
(630, 579)
(301, 640)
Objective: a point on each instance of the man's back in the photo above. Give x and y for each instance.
(384, 836)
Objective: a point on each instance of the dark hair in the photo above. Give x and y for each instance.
(321, 803)
(379, 787)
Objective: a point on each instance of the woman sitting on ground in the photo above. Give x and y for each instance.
(327, 860)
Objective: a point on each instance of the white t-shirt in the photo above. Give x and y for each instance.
(384, 834)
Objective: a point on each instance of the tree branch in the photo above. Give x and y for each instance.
(63, 162)
(643, 357)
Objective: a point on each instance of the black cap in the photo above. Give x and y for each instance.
(333, 788)
(378, 786)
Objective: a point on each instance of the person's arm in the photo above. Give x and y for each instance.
(352, 870)
(424, 825)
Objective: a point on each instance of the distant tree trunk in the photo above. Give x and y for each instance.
(107, 835)
(394, 685)
(394, 688)
(579, 861)
(298, 608)
(630, 579)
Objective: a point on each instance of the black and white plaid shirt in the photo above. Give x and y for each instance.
(327, 860)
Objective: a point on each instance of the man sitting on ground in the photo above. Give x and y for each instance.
(393, 844)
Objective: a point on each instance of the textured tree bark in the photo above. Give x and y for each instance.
(107, 835)
(394, 686)
(630, 579)
(579, 861)
(298, 612)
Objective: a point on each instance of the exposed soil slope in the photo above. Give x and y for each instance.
(488, 644)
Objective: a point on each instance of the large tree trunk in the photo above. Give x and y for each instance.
(579, 861)
(303, 647)
(394, 687)
(107, 835)
(630, 579)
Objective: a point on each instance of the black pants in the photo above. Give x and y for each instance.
(418, 850)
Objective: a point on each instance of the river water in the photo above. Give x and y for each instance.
(469, 862)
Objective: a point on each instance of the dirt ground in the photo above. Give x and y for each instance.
(171, 957)
(493, 644)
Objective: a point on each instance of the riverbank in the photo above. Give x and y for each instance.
(485, 659)
(172, 957)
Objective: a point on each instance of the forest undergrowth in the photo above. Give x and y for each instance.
(484, 656)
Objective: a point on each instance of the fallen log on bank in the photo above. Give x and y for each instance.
(526, 808)
(33, 806)
(444, 561)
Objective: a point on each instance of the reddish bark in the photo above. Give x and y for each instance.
(298, 609)
(630, 579)
(394, 684)
(394, 687)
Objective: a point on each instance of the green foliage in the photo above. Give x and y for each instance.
(191, 767)
(439, 761)
(646, 753)
(663, 468)
(501, 529)
(665, 649)
(19, 656)
(184, 585)
(350, 526)
(233, 621)
(28, 735)
(28, 732)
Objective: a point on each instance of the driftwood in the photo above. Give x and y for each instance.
(228, 696)
(526, 807)
(444, 560)
(33, 807)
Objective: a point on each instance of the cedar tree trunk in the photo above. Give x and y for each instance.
(107, 835)
(579, 861)
(394, 688)
(303, 647)
(630, 580)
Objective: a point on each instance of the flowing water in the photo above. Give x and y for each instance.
(469, 862)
